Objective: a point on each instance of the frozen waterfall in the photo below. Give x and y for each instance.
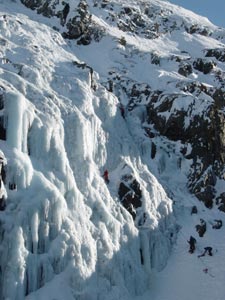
(64, 232)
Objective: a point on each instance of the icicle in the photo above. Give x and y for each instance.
(34, 231)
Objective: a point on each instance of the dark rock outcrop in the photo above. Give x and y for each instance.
(130, 194)
(204, 66)
(33, 4)
(219, 54)
(185, 69)
(78, 26)
(201, 228)
(196, 28)
(220, 201)
(205, 133)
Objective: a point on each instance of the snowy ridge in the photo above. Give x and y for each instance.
(64, 233)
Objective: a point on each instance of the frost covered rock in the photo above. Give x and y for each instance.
(171, 120)
(219, 54)
(196, 28)
(220, 201)
(201, 228)
(185, 69)
(130, 194)
(74, 17)
(204, 66)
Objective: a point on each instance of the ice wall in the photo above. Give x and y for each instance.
(19, 116)
(64, 231)
(56, 228)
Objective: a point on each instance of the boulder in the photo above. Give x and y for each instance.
(220, 201)
(185, 69)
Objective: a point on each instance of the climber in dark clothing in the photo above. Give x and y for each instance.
(192, 243)
(122, 110)
(206, 249)
(2, 203)
(106, 176)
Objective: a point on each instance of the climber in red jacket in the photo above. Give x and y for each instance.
(106, 176)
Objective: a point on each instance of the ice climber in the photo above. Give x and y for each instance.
(2, 197)
(2, 203)
(192, 243)
(106, 176)
(206, 249)
(122, 110)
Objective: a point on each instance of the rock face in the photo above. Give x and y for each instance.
(202, 129)
(204, 66)
(130, 194)
(205, 133)
(221, 202)
(78, 23)
(219, 54)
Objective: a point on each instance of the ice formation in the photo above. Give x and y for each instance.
(64, 232)
(62, 222)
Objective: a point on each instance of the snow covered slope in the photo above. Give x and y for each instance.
(66, 69)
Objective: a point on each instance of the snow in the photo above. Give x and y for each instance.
(64, 233)
(183, 277)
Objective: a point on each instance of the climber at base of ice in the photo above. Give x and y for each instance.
(2, 203)
(106, 176)
(2, 196)
(192, 242)
(206, 249)
(122, 111)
